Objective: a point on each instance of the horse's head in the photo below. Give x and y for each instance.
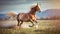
(36, 7)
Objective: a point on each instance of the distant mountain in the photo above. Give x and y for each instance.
(4, 17)
(52, 12)
(49, 13)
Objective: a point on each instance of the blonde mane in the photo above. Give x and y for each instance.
(34, 5)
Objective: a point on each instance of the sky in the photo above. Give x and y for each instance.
(24, 5)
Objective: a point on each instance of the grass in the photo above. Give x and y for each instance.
(28, 31)
(45, 27)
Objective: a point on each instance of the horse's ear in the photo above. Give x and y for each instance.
(37, 4)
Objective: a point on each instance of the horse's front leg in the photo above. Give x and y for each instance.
(35, 21)
(37, 24)
(32, 23)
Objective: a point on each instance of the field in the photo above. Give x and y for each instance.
(44, 27)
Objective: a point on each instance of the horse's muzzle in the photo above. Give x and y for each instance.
(39, 11)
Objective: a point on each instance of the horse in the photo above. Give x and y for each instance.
(29, 17)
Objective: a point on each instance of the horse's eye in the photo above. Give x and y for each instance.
(31, 8)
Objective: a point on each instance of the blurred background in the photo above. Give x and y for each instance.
(49, 8)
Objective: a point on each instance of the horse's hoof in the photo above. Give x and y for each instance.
(30, 26)
(17, 25)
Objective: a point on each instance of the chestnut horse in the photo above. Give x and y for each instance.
(30, 16)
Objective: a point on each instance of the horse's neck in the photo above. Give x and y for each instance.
(33, 12)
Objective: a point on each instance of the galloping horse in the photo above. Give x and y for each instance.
(30, 16)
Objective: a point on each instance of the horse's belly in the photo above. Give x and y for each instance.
(24, 17)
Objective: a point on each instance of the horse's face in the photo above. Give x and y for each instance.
(38, 8)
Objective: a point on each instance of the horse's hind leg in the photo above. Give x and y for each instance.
(18, 23)
(21, 23)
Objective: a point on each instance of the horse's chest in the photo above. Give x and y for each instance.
(33, 17)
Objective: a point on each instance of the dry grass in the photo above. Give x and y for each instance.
(45, 27)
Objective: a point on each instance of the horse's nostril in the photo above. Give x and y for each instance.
(39, 11)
